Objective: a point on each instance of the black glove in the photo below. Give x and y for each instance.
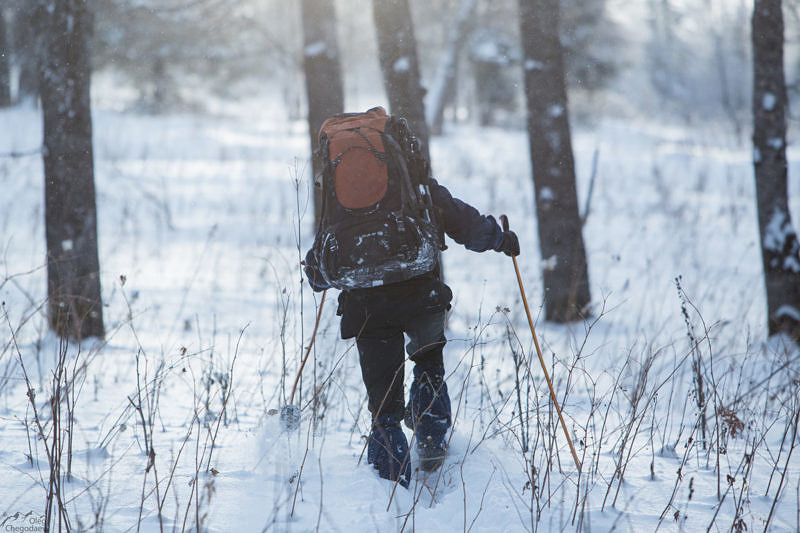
(510, 244)
(315, 279)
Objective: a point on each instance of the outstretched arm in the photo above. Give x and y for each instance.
(465, 225)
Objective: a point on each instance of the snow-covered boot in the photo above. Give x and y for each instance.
(428, 414)
(387, 450)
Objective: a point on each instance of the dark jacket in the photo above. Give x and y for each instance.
(421, 295)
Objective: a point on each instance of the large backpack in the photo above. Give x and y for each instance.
(377, 223)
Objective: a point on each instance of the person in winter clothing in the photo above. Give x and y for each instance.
(379, 317)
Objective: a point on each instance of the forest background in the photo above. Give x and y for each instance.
(683, 408)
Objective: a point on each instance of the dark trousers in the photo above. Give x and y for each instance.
(380, 350)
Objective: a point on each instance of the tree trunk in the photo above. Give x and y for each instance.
(444, 81)
(5, 64)
(780, 250)
(28, 36)
(323, 76)
(74, 306)
(566, 281)
(397, 51)
(161, 90)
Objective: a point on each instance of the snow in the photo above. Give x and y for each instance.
(555, 111)
(532, 64)
(554, 140)
(489, 50)
(403, 64)
(788, 311)
(776, 143)
(203, 219)
(315, 49)
(550, 263)
(777, 231)
(791, 264)
(768, 102)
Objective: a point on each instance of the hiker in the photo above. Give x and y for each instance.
(376, 180)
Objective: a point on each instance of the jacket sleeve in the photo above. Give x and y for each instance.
(463, 223)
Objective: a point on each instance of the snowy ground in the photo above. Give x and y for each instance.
(202, 219)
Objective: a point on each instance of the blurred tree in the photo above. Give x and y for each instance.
(156, 40)
(397, 52)
(73, 272)
(780, 249)
(166, 48)
(444, 80)
(5, 63)
(667, 55)
(491, 55)
(696, 58)
(591, 41)
(730, 61)
(566, 280)
(323, 75)
(26, 45)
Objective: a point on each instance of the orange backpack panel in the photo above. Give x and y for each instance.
(356, 153)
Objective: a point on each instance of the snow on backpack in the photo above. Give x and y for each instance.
(377, 224)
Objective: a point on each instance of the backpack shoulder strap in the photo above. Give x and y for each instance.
(419, 171)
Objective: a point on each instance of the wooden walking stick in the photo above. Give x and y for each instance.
(290, 414)
(504, 221)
